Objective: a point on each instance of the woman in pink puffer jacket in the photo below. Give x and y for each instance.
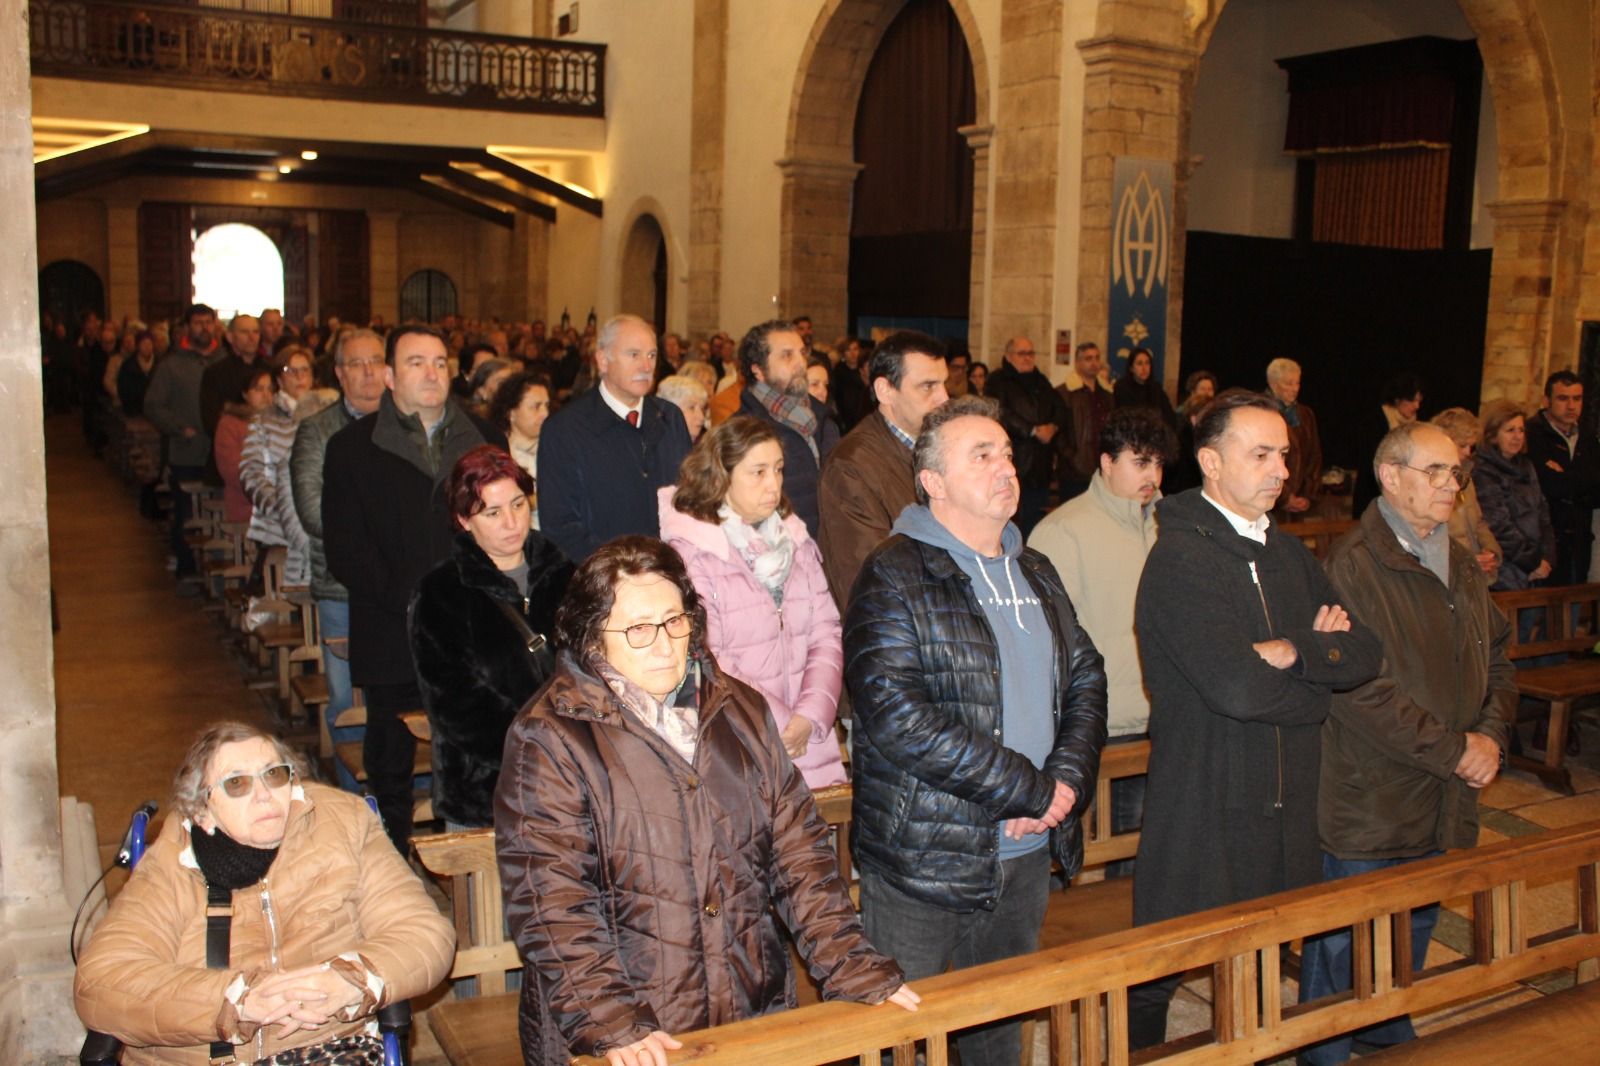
(771, 621)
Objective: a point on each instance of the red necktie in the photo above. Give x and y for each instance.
(633, 419)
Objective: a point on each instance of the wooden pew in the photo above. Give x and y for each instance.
(1318, 534)
(1568, 625)
(1083, 987)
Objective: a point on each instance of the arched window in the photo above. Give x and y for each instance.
(67, 289)
(237, 270)
(427, 296)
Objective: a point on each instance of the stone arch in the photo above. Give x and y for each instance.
(641, 290)
(819, 167)
(1529, 212)
(643, 214)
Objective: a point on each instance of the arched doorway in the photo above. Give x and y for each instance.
(643, 272)
(68, 289)
(237, 270)
(819, 166)
(911, 220)
(427, 296)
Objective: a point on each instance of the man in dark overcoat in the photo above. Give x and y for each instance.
(1244, 642)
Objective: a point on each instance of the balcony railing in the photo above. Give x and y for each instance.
(210, 48)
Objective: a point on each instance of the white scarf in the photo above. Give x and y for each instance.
(765, 547)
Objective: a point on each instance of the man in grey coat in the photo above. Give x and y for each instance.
(172, 404)
(358, 364)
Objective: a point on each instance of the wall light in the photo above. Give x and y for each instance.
(284, 168)
(308, 155)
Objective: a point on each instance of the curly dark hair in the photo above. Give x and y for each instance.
(704, 476)
(508, 396)
(1141, 431)
(592, 593)
(755, 348)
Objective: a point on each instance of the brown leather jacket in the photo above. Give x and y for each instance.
(1390, 747)
(337, 886)
(866, 483)
(1079, 447)
(641, 890)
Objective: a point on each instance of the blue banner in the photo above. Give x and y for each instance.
(1141, 254)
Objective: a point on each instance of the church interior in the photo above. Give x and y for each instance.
(1367, 187)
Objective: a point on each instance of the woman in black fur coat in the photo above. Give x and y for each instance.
(479, 623)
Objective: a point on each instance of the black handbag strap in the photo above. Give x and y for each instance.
(219, 935)
(537, 646)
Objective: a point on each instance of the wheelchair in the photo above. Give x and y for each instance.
(99, 1049)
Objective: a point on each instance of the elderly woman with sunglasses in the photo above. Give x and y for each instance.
(328, 923)
(652, 833)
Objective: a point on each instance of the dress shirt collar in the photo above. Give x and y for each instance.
(1256, 531)
(619, 408)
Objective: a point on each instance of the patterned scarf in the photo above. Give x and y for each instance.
(675, 720)
(792, 411)
(766, 548)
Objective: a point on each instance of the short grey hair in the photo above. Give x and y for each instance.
(348, 335)
(682, 389)
(1399, 444)
(608, 332)
(928, 454)
(189, 784)
(1280, 368)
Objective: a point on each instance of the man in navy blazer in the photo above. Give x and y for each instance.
(603, 456)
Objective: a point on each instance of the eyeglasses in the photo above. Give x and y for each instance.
(237, 785)
(645, 633)
(1439, 476)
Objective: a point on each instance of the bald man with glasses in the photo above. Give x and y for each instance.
(1033, 414)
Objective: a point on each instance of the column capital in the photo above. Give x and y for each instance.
(1527, 213)
(978, 137)
(842, 171)
(1131, 52)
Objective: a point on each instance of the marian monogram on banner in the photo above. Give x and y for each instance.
(1141, 250)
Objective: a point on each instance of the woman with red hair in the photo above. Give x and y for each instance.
(479, 625)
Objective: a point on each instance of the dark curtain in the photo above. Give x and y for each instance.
(344, 285)
(1387, 135)
(1350, 316)
(911, 225)
(166, 261)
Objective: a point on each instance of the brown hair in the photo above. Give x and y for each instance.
(1495, 414)
(706, 472)
(589, 599)
(189, 783)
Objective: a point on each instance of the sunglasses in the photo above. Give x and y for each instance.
(239, 785)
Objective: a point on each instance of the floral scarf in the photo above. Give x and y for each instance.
(766, 548)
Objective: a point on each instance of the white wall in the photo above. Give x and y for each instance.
(1245, 184)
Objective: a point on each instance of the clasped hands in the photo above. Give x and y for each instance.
(307, 998)
(1060, 805)
(1280, 654)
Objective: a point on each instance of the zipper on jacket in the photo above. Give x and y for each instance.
(272, 939)
(1277, 731)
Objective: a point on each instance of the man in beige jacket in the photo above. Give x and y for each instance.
(1098, 542)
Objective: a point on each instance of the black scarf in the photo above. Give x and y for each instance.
(225, 862)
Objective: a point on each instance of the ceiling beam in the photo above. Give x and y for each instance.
(464, 204)
(539, 183)
(485, 188)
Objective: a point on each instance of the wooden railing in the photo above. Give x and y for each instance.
(1082, 989)
(210, 48)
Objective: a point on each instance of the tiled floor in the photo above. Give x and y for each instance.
(139, 670)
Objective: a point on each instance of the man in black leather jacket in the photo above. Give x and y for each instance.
(980, 714)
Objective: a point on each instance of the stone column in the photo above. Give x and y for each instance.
(36, 1016)
(707, 119)
(814, 244)
(122, 260)
(1027, 143)
(383, 245)
(978, 139)
(1135, 103)
(1517, 353)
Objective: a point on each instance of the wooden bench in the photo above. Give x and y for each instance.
(1318, 534)
(483, 1031)
(1560, 1029)
(1082, 988)
(1567, 623)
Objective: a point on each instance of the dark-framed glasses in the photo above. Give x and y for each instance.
(1440, 476)
(237, 785)
(644, 634)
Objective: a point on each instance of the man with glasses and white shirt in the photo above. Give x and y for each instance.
(603, 456)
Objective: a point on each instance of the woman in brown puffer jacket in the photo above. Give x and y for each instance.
(648, 823)
(329, 923)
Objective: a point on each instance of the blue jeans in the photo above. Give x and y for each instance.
(1127, 806)
(1325, 967)
(926, 940)
(333, 617)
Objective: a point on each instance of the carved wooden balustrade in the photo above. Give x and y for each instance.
(213, 48)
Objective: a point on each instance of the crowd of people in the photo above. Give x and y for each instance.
(638, 588)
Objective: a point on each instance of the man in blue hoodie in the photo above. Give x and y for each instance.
(980, 714)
